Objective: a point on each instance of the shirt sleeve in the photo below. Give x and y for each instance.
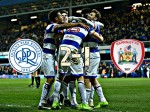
(50, 28)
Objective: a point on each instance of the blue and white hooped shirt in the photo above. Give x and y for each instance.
(49, 46)
(92, 42)
(74, 36)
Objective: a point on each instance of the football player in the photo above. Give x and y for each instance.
(91, 71)
(72, 40)
(49, 48)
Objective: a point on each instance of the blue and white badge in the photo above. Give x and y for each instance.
(25, 56)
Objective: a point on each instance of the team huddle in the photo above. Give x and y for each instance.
(70, 35)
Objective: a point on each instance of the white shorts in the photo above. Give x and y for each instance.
(91, 70)
(76, 69)
(48, 67)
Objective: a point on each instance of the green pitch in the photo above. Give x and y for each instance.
(123, 95)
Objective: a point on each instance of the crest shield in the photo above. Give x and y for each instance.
(127, 54)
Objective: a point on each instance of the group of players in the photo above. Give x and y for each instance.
(68, 35)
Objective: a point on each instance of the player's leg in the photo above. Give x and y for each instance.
(49, 73)
(81, 87)
(65, 91)
(57, 87)
(99, 91)
(72, 88)
(89, 91)
(90, 100)
(37, 79)
(32, 81)
(88, 87)
(91, 73)
(77, 70)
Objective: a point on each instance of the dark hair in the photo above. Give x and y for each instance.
(64, 11)
(52, 15)
(98, 14)
(85, 11)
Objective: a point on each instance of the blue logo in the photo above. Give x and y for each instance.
(25, 56)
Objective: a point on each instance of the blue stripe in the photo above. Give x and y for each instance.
(77, 75)
(49, 40)
(70, 42)
(79, 34)
(94, 49)
(50, 29)
(48, 51)
(62, 73)
(49, 77)
(90, 76)
(97, 29)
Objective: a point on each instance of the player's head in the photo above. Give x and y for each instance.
(64, 14)
(85, 12)
(55, 16)
(94, 15)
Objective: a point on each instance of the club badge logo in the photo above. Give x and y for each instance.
(25, 56)
(127, 54)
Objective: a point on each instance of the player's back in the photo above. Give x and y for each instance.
(73, 37)
(49, 46)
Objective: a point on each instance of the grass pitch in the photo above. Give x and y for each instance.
(123, 95)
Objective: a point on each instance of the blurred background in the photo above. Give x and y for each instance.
(123, 19)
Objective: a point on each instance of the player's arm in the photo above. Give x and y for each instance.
(68, 25)
(71, 18)
(96, 35)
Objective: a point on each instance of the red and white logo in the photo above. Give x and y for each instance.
(127, 54)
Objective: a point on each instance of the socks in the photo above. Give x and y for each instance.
(37, 79)
(65, 90)
(88, 92)
(99, 92)
(57, 87)
(45, 92)
(82, 91)
(91, 94)
(32, 79)
(72, 88)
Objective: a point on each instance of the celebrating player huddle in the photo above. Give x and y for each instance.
(69, 38)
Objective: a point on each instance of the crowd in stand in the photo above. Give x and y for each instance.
(7, 70)
(7, 39)
(118, 25)
(122, 25)
(106, 70)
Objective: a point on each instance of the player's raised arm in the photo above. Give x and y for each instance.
(68, 25)
(71, 18)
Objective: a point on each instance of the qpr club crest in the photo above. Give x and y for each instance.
(127, 54)
(25, 56)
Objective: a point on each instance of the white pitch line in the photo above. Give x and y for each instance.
(11, 105)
